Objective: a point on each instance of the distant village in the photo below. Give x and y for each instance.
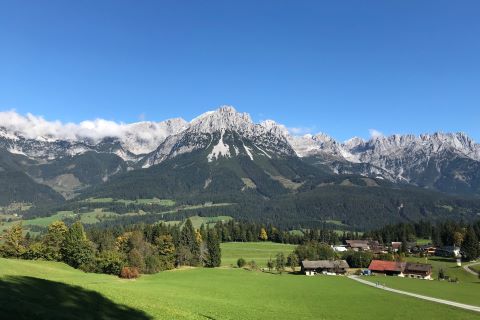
(382, 267)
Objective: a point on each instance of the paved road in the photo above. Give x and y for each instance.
(418, 296)
(466, 268)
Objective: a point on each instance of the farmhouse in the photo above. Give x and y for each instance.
(396, 246)
(418, 270)
(358, 245)
(339, 248)
(390, 268)
(402, 269)
(448, 251)
(425, 249)
(311, 268)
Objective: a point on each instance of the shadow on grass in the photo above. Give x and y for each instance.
(33, 298)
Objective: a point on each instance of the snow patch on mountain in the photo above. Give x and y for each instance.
(248, 151)
(219, 150)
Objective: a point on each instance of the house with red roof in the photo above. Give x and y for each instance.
(402, 269)
(390, 268)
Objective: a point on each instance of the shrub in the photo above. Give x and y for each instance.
(241, 263)
(129, 273)
(110, 262)
(153, 264)
(252, 265)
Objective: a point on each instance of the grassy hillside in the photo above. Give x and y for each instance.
(199, 294)
(260, 252)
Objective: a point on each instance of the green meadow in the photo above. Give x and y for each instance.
(44, 290)
(466, 290)
(260, 252)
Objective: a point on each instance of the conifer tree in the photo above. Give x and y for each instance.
(470, 245)
(188, 243)
(214, 252)
(76, 250)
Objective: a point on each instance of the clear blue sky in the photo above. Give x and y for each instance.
(341, 67)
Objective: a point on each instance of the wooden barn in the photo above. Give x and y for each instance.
(311, 268)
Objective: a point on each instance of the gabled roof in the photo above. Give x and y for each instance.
(383, 266)
(418, 267)
(357, 243)
(325, 264)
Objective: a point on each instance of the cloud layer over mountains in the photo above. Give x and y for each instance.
(32, 127)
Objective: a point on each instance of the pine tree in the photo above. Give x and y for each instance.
(188, 242)
(470, 245)
(76, 250)
(214, 252)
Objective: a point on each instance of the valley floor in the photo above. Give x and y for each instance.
(45, 290)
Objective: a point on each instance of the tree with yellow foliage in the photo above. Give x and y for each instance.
(263, 235)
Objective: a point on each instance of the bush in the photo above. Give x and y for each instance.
(129, 273)
(241, 263)
(154, 264)
(110, 262)
(252, 265)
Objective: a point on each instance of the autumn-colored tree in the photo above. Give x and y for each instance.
(292, 261)
(458, 238)
(165, 245)
(53, 240)
(121, 243)
(263, 235)
(198, 237)
(13, 242)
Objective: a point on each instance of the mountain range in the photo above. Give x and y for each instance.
(223, 155)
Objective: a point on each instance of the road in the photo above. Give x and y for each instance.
(418, 296)
(466, 268)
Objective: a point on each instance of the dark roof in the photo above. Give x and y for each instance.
(325, 264)
(418, 267)
(357, 243)
(382, 266)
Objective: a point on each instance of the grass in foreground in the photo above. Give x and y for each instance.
(214, 294)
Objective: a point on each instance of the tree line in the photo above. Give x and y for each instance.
(445, 233)
(121, 251)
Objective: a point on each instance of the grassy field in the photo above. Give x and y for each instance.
(40, 290)
(258, 251)
(162, 202)
(467, 290)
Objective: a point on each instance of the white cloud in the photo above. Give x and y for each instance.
(31, 126)
(375, 133)
(300, 130)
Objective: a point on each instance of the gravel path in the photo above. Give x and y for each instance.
(466, 268)
(419, 296)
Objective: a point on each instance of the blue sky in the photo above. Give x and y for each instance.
(341, 67)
